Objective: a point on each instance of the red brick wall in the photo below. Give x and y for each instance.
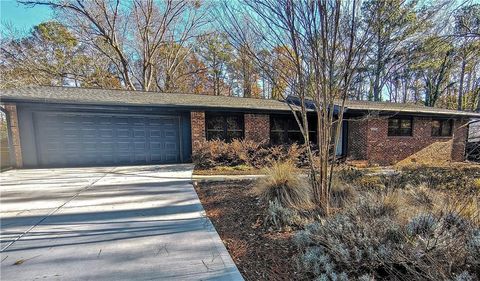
(357, 139)
(13, 125)
(257, 127)
(197, 121)
(386, 150)
(367, 139)
(460, 135)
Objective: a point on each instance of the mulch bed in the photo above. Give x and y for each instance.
(260, 254)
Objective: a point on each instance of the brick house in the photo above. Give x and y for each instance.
(64, 127)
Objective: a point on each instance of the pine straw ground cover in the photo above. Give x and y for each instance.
(238, 216)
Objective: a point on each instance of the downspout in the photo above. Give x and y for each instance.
(9, 136)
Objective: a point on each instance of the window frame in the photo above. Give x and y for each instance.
(224, 131)
(397, 132)
(442, 121)
(287, 121)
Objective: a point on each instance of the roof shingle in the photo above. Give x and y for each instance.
(72, 95)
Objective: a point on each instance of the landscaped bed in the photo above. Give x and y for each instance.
(421, 224)
(227, 170)
(239, 219)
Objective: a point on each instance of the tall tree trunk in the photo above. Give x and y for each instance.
(405, 89)
(378, 68)
(460, 89)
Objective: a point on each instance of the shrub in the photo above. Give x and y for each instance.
(373, 207)
(281, 217)
(341, 193)
(423, 225)
(393, 180)
(284, 184)
(366, 241)
(349, 174)
(464, 276)
(216, 153)
(446, 178)
(454, 220)
(473, 245)
(369, 182)
(420, 196)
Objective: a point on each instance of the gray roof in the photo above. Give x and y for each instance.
(407, 108)
(72, 95)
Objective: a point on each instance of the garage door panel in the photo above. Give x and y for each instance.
(138, 133)
(73, 139)
(124, 146)
(108, 133)
(123, 133)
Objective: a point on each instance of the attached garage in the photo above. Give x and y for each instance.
(75, 136)
(71, 139)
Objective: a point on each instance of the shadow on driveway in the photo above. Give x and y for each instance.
(126, 223)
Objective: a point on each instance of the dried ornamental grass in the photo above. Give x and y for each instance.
(284, 184)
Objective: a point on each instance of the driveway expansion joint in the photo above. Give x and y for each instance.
(88, 186)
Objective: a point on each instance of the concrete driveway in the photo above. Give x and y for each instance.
(122, 223)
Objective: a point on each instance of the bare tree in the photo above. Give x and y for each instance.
(50, 55)
(133, 37)
(321, 39)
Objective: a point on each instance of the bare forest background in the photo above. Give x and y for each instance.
(423, 52)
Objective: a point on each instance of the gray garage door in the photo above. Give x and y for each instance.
(82, 139)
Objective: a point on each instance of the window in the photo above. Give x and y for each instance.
(400, 126)
(224, 127)
(284, 130)
(442, 128)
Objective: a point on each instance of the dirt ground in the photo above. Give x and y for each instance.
(259, 254)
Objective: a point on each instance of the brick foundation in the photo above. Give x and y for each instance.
(15, 135)
(257, 127)
(369, 140)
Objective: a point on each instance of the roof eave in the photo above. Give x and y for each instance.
(415, 113)
(111, 103)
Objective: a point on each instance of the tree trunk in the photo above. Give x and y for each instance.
(378, 69)
(460, 89)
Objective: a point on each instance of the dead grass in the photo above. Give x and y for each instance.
(229, 170)
(283, 184)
